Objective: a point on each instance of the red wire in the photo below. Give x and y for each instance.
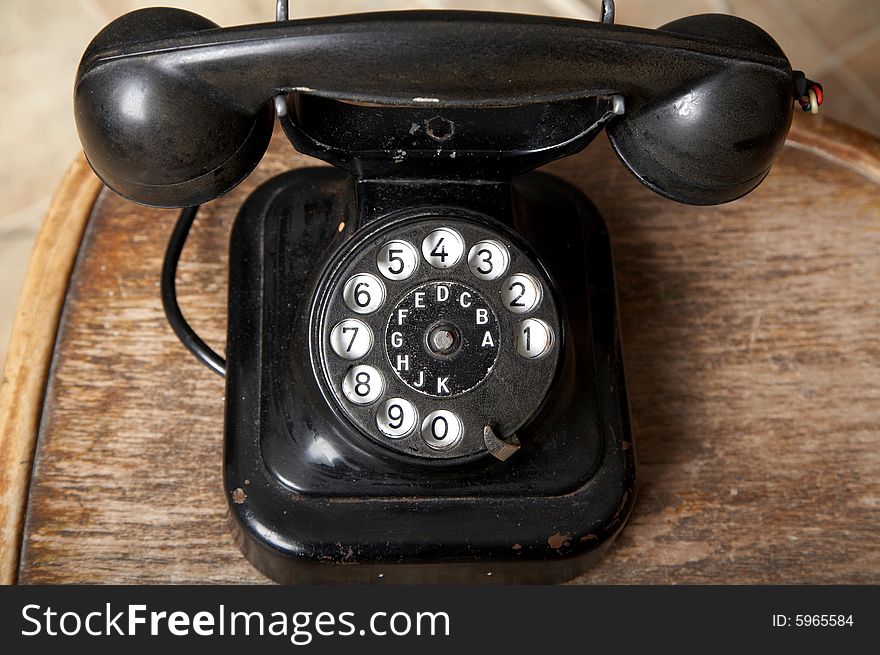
(818, 91)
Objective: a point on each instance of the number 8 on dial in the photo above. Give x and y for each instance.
(363, 384)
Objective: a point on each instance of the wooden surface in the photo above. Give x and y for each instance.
(753, 365)
(30, 350)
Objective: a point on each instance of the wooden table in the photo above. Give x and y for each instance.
(752, 346)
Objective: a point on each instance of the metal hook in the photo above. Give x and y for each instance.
(282, 12)
(607, 11)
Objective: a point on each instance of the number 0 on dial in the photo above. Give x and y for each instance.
(441, 430)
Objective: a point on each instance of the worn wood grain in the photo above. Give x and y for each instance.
(753, 363)
(30, 350)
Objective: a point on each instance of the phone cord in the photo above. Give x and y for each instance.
(182, 329)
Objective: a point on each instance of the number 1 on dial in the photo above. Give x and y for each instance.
(534, 338)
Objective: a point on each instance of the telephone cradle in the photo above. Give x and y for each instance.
(424, 372)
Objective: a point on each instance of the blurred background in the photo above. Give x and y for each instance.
(834, 41)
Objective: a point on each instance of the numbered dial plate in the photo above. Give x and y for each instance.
(442, 339)
(432, 328)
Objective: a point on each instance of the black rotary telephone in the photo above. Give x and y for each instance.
(423, 364)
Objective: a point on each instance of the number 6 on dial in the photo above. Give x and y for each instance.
(364, 293)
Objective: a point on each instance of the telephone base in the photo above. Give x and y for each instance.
(314, 500)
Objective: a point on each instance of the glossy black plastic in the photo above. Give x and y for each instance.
(441, 113)
(173, 111)
(307, 492)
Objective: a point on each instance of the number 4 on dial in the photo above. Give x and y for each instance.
(442, 248)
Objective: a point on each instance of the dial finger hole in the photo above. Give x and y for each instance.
(534, 338)
(351, 339)
(488, 260)
(397, 260)
(443, 248)
(363, 384)
(442, 430)
(396, 418)
(364, 293)
(521, 293)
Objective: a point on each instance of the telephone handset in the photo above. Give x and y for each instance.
(424, 374)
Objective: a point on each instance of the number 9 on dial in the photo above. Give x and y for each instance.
(396, 418)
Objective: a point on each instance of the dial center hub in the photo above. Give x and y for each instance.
(442, 338)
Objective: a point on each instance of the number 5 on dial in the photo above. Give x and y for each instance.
(397, 260)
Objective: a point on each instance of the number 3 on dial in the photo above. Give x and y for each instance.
(488, 260)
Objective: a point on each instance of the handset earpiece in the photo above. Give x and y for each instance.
(154, 134)
(712, 139)
(173, 111)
